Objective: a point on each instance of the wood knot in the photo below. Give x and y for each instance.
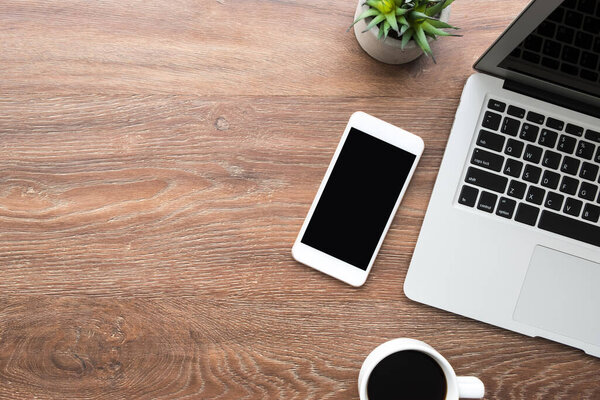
(221, 124)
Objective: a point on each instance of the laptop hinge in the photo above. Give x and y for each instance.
(553, 98)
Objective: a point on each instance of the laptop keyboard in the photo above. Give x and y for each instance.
(568, 40)
(536, 170)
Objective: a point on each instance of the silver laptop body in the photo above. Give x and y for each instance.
(512, 233)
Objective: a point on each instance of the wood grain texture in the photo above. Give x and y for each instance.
(156, 162)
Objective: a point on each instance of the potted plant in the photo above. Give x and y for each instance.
(399, 31)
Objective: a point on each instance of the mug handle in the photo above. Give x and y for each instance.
(470, 387)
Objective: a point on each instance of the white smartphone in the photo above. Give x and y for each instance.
(358, 198)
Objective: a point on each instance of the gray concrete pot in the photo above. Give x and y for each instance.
(388, 50)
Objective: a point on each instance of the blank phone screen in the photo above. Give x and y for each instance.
(358, 199)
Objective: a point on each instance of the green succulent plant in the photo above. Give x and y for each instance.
(410, 19)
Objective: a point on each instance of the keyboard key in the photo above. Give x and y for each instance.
(490, 140)
(564, 34)
(513, 168)
(548, 138)
(535, 195)
(506, 207)
(550, 63)
(532, 174)
(516, 189)
(592, 135)
(533, 154)
(587, 191)
(591, 25)
(535, 117)
(570, 227)
(597, 156)
(573, 19)
(572, 206)
(491, 120)
(496, 105)
(555, 123)
(589, 171)
(552, 49)
(574, 130)
(514, 148)
(554, 201)
(486, 180)
(488, 160)
(529, 132)
(569, 185)
(585, 150)
(468, 195)
(566, 144)
(557, 15)
(570, 165)
(487, 202)
(590, 212)
(589, 60)
(516, 111)
(550, 179)
(510, 126)
(527, 214)
(551, 159)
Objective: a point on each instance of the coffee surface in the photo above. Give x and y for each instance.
(407, 375)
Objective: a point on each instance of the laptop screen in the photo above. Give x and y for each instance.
(554, 46)
(563, 49)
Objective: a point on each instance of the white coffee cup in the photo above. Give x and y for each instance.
(457, 387)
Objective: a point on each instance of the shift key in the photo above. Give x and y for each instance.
(488, 160)
(486, 180)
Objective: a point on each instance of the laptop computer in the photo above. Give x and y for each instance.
(511, 236)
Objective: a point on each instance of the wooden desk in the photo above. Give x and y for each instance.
(157, 161)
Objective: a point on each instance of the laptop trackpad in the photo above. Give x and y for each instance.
(561, 294)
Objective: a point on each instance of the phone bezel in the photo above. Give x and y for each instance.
(324, 262)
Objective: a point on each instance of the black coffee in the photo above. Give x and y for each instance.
(407, 375)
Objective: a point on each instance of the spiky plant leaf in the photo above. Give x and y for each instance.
(436, 9)
(401, 11)
(365, 14)
(386, 29)
(390, 18)
(375, 21)
(421, 40)
(406, 38)
(440, 24)
(433, 31)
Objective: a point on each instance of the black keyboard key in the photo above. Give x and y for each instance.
(573, 19)
(555, 123)
(516, 111)
(486, 180)
(548, 138)
(574, 130)
(586, 6)
(533, 58)
(550, 63)
(468, 195)
(592, 135)
(533, 42)
(587, 191)
(550, 179)
(557, 15)
(513, 168)
(590, 212)
(516, 189)
(570, 227)
(566, 144)
(569, 185)
(529, 132)
(547, 29)
(589, 171)
(570, 165)
(535, 117)
(597, 156)
(510, 126)
(535, 195)
(487, 202)
(532, 173)
(514, 148)
(491, 120)
(496, 105)
(551, 159)
(552, 48)
(554, 201)
(591, 25)
(506, 207)
(585, 150)
(583, 40)
(589, 60)
(490, 140)
(485, 159)
(572, 206)
(527, 214)
(533, 154)
(564, 34)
